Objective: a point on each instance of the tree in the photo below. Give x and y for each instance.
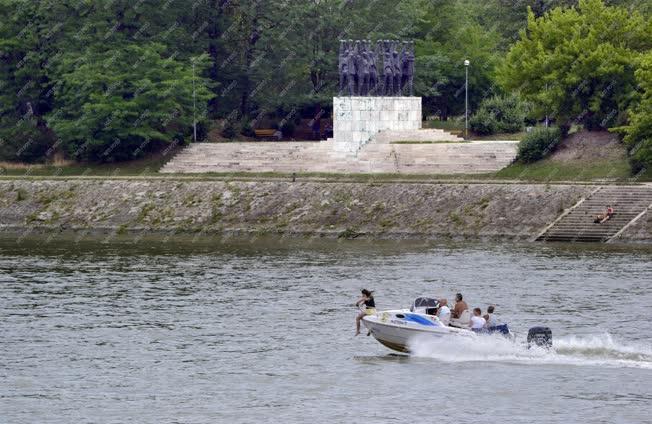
(441, 51)
(578, 64)
(115, 105)
(638, 132)
(25, 46)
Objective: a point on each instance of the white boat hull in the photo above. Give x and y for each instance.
(396, 329)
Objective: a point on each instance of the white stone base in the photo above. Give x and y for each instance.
(357, 119)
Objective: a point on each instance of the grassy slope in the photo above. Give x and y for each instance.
(550, 170)
(140, 167)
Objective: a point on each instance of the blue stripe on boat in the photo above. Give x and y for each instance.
(419, 319)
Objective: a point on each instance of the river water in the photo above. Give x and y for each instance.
(244, 332)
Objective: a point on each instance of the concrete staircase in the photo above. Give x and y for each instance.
(246, 157)
(576, 224)
(438, 158)
(445, 154)
(422, 135)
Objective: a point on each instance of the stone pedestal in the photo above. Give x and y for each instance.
(357, 119)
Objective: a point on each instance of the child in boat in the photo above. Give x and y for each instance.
(367, 300)
(490, 318)
(477, 322)
(444, 313)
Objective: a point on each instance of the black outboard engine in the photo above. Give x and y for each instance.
(539, 336)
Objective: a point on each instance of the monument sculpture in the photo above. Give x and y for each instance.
(358, 68)
(375, 93)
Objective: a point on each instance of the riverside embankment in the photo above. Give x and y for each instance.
(385, 210)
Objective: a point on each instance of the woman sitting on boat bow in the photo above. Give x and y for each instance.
(367, 300)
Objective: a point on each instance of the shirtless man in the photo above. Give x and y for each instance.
(460, 306)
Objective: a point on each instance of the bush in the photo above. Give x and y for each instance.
(499, 114)
(24, 141)
(247, 130)
(483, 122)
(537, 144)
(288, 128)
(638, 131)
(229, 130)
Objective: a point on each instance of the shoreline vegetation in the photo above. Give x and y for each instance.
(132, 91)
(582, 157)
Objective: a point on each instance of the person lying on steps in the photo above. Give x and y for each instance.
(604, 217)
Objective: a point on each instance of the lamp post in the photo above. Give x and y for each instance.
(194, 105)
(466, 99)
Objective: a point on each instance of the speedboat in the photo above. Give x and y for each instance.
(395, 328)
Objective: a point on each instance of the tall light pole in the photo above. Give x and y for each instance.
(466, 100)
(194, 105)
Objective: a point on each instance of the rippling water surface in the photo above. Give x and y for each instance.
(246, 332)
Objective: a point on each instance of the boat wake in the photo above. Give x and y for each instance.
(596, 350)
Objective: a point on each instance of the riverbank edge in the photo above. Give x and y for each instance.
(346, 210)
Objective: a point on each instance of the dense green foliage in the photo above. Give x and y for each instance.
(577, 65)
(499, 114)
(112, 105)
(108, 80)
(638, 134)
(538, 143)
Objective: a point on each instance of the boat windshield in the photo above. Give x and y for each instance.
(424, 302)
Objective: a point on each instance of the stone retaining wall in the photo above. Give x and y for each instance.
(332, 209)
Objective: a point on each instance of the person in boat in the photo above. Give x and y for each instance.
(490, 318)
(604, 217)
(460, 306)
(369, 303)
(444, 313)
(477, 322)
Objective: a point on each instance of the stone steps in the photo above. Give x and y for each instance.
(628, 202)
(431, 134)
(436, 158)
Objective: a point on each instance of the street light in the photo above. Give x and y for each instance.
(466, 100)
(194, 105)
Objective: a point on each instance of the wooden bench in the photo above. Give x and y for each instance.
(266, 133)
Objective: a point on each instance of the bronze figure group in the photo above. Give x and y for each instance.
(359, 63)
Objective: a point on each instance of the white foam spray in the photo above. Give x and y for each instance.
(592, 350)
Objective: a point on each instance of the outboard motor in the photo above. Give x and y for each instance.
(539, 336)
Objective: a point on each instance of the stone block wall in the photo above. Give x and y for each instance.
(357, 119)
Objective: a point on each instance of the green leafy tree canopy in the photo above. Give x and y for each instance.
(577, 64)
(110, 105)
